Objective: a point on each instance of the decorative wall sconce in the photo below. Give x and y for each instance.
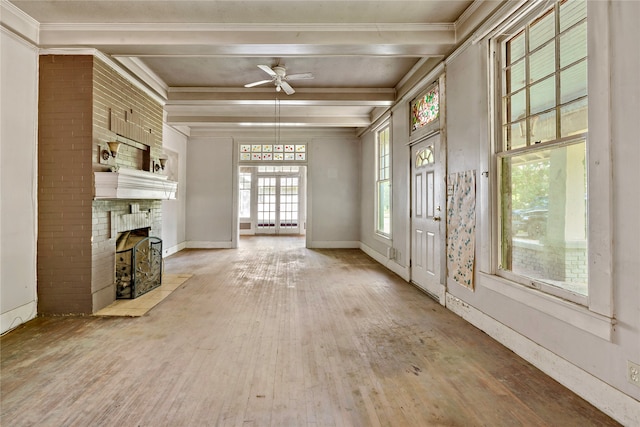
(162, 162)
(114, 146)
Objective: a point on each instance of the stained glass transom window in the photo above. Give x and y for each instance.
(425, 156)
(425, 109)
(273, 152)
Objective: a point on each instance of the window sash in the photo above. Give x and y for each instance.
(383, 182)
(539, 113)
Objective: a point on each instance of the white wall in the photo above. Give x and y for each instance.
(333, 187)
(333, 191)
(572, 344)
(18, 179)
(174, 211)
(550, 333)
(209, 208)
(374, 245)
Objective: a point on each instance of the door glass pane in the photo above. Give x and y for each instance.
(266, 202)
(288, 202)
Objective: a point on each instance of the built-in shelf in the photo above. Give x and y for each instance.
(133, 184)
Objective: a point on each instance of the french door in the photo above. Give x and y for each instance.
(278, 204)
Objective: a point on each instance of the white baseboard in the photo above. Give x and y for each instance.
(173, 249)
(400, 270)
(16, 317)
(332, 244)
(609, 400)
(197, 244)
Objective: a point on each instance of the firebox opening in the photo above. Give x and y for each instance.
(138, 263)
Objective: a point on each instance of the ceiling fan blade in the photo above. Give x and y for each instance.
(287, 88)
(300, 76)
(267, 70)
(261, 82)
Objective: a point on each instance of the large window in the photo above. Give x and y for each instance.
(542, 152)
(383, 183)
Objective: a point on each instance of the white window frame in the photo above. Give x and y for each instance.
(385, 127)
(596, 316)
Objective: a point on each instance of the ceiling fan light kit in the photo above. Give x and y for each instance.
(280, 78)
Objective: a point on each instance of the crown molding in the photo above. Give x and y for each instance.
(247, 27)
(19, 22)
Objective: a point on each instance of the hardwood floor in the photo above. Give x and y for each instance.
(273, 334)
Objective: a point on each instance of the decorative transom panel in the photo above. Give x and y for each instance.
(273, 152)
(425, 109)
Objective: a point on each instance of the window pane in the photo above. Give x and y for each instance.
(543, 62)
(573, 45)
(542, 30)
(515, 48)
(573, 82)
(571, 12)
(245, 195)
(543, 95)
(544, 196)
(515, 107)
(543, 127)
(573, 118)
(517, 135)
(516, 76)
(384, 207)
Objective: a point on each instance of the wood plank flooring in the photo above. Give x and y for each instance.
(273, 334)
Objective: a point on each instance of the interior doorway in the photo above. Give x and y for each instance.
(272, 200)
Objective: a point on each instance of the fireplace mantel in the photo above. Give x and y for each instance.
(133, 184)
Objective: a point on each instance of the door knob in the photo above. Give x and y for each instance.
(436, 218)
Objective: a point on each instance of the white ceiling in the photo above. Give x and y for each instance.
(199, 54)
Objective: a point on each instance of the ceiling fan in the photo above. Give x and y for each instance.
(280, 78)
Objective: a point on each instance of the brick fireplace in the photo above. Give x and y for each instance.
(83, 103)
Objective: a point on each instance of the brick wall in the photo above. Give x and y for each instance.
(79, 97)
(65, 188)
(557, 262)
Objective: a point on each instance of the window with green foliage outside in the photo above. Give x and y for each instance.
(542, 152)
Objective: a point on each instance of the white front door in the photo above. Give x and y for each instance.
(426, 216)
